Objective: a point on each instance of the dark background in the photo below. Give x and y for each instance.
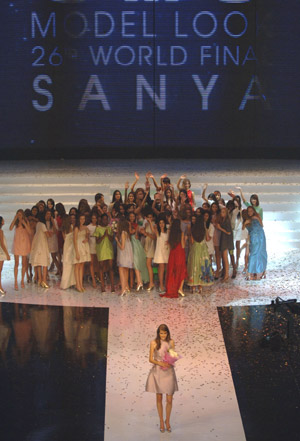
(265, 128)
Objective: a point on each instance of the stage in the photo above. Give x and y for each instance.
(206, 407)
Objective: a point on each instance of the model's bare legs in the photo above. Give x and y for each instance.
(77, 276)
(111, 274)
(81, 269)
(218, 261)
(160, 410)
(150, 271)
(138, 277)
(24, 270)
(16, 268)
(168, 410)
(161, 273)
(238, 252)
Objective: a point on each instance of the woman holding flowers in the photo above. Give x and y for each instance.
(162, 379)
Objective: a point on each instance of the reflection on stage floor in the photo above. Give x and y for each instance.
(52, 372)
(263, 345)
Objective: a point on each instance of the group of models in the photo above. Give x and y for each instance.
(188, 245)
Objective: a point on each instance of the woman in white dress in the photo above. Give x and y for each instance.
(40, 255)
(92, 243)
(51, 225)
(68, 272)
(162, 251)
(3, 252)
(82, 250)
(210, 230)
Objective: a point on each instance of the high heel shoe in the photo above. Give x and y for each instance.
(168, 428)
(181, 293)
(150, 288)
(2, 292)
(123, 293)
(140, 286)
(44, 285)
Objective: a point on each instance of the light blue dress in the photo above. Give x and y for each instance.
(258, 254)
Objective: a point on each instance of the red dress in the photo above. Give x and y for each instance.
(190, 198)
(176, 271)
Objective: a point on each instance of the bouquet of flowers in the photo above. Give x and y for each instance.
(170, 357)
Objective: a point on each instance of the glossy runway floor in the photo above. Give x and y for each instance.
(206, 407)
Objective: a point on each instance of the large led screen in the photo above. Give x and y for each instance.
(197, 75)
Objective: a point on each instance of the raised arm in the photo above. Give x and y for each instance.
(126, 191)
(241, 192)
(137, 177)
(150, 175)
(179, 180)
(13, 222)
(203, 193)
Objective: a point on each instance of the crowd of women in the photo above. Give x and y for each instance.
(189, 246)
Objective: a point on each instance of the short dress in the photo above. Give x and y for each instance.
(52, 240)
(162, 249)
(217, 233)
(21, 245)
(162, 381)
(149, 245)
(92, 239)
(83, 248)
(226, 240)
(104, 249)
(125, 257)
(2, 253)
(40, 255)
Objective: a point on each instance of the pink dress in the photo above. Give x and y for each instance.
(21, 245)
(162, 381)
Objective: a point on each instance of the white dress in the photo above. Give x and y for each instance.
(2, 253)
(237, 224)
(83, 248)
(162, 249)
(210, 243)
(39, 255)
(52, 240)
(92, 240)
(68, 275)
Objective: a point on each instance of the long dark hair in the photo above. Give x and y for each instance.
(157, 340)
(163, 218)
(114, 196)
(123, 225)
(175, 233)
(1, 220)
(60, 209)
(198, 229)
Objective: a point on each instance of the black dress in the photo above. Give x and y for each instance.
(226, 240)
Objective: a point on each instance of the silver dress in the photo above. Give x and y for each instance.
(162, 381)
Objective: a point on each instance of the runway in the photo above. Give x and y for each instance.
(206, 406)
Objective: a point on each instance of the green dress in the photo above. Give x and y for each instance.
(139, 258)
(199, 265)
(104, 249)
